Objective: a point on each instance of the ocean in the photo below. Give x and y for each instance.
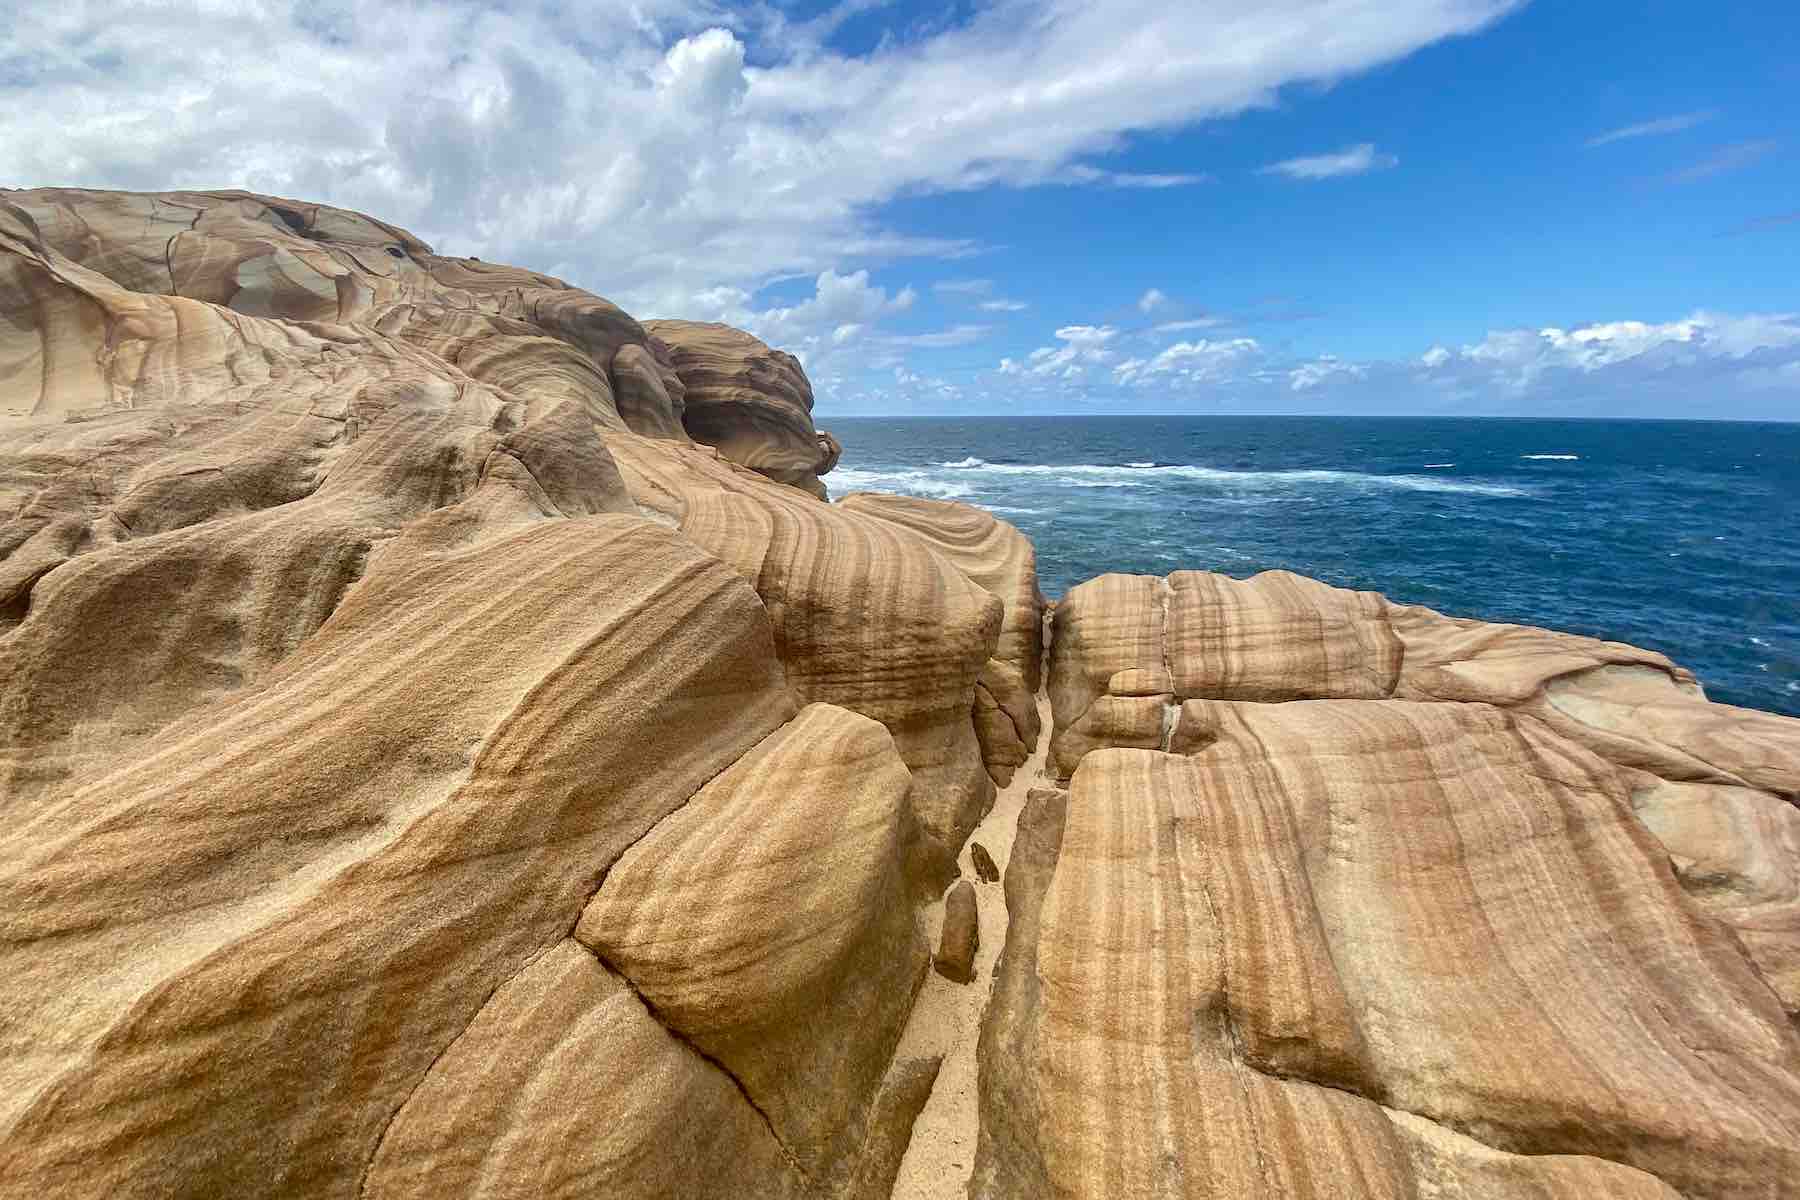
(1682, 536)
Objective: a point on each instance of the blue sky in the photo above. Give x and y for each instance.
(1426, 206)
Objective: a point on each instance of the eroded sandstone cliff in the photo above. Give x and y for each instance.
(447, 749)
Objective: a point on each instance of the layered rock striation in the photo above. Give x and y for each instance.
(425, 765)
(447, 748)
(1351, 898)
(753, 403)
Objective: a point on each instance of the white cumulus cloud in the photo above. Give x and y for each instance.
(1201, 361)
(1627, 367)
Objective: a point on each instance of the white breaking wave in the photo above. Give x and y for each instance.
(1134, 475)
(1140, 466)
(1552, 457)
(1438, 466)
(908, 481)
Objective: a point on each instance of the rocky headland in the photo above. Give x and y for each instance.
(449, 747)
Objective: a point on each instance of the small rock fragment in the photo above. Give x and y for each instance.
(985, 870)
(962, 935)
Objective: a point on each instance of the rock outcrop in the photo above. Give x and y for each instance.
(408, 735)
(1001, 559)
(867, 616)
(753, 403)
(448, 749)
(1352, 898)
(960, 939)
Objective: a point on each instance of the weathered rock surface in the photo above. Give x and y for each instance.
(1001, 559)
(1357, 899)
(369, 738)
(867, 616)
(753, 403)
(983, 862)
(961, 935)
(766, 923)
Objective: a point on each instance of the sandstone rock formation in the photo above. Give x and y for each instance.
(983, 862)
(1356, 899)
(442, 756)
(753, 403)
(867, 615)
(1002, 560)
(403, 796)
(961, 936)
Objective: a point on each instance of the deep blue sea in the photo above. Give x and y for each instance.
(1680, 536)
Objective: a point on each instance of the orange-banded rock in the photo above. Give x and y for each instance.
(1646, 718)
(997, 556)
(989, 551)
(1737, 851)
(753, 403)
(868, 616)
(95, 320)
(1377, 949)
(339, 663)
(1125, 644)
(1279, 636)
(215, 404)
(767, 922)
(160, 561)
(565, 1084)
(258, 933)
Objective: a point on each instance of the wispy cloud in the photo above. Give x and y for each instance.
(1730, 158)
(1760, 224)
(1190, 324)
(1152, 300)
(979, 292)
(942, 339)
(1126, 179)
(1351, 160)
(1655, 128)
(1081, 173)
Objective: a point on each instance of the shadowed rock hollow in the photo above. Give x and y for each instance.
(448, 749)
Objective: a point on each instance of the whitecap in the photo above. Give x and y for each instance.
(1140, 466)
(965, 464)
(1756, 641)
(1101, 475)
(906, 481)
(1551, 457)
(1438, 466)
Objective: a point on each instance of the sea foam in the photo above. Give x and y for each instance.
(1138, 475)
